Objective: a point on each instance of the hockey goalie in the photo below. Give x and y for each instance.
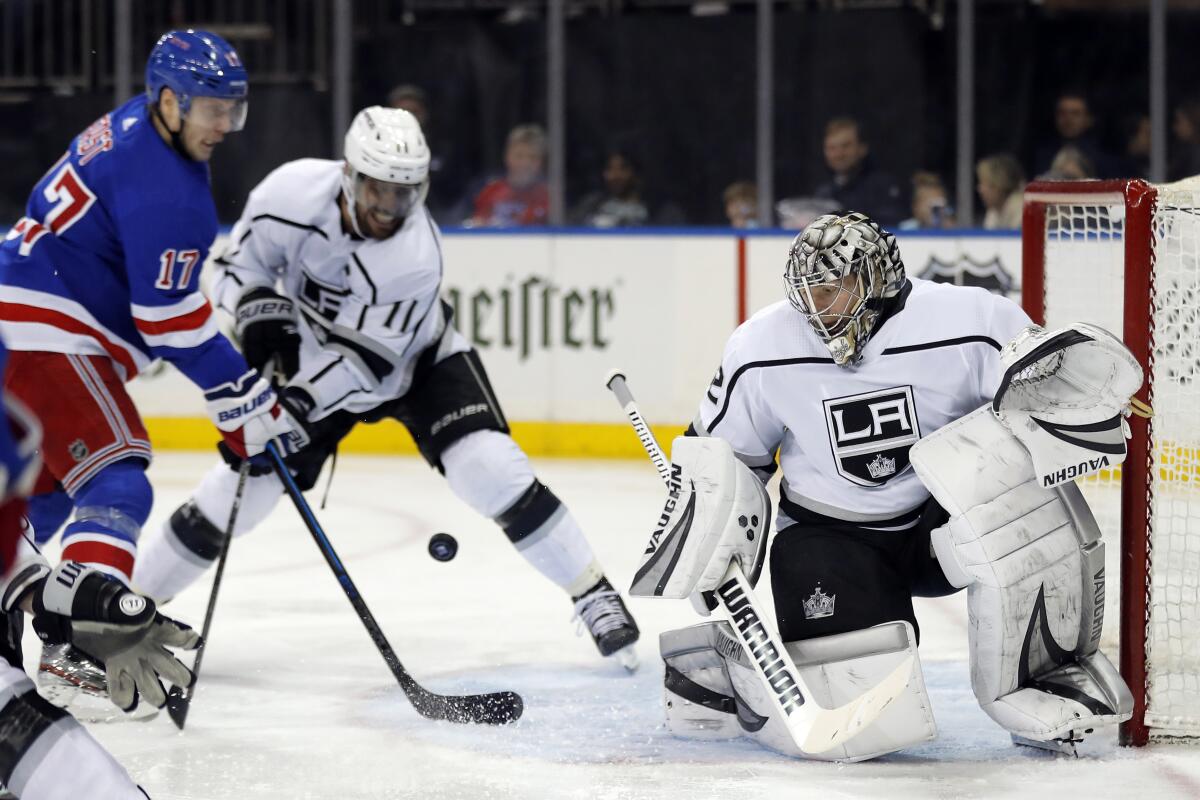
(928, 436)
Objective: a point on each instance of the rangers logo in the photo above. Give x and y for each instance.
(871, 434)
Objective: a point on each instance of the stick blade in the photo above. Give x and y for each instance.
(177, 706)
(496, 708)
(826, 728)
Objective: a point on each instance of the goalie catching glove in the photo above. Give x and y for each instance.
(122, 630)
(1064, 396)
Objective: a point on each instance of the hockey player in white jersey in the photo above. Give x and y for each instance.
(335, 270)
(839, 383)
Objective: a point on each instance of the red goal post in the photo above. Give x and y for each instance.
(1125, 254)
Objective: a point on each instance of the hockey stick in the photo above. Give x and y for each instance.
(497, 708)
(179, 700)
(813, 728)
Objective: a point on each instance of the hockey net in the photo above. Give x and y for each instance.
(1125, 255)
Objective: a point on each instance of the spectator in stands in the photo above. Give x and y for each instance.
(741, 204)
(445, 168)
(1135, 129)
(622, 202)
(1001, 186)
(854, 182)
(930, 208)
(1185, 150)
(1070, 164)
(520, 197)
(1074, 127)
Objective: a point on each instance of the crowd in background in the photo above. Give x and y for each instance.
(516, 195)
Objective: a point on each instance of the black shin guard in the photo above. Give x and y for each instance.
(529, 513)
(195, 532)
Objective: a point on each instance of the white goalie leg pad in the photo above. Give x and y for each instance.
(712, 691)
(717, 511)
(1034, 563)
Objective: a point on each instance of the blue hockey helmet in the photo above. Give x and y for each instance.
(198, 64)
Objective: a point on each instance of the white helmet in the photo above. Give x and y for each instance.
(852, 253)
(385, 145)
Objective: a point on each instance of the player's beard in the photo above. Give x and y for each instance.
(373, 226)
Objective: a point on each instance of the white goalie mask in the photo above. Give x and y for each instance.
(839, 271)
(387, 170)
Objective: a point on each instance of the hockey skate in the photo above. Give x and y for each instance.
(609, 622)
(69, 678)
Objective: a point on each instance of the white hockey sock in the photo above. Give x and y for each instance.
(173, 557)
(490, 473)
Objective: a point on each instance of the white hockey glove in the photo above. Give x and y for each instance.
(249, 415)
(100, 616)
(717, 511)
(1063, 396)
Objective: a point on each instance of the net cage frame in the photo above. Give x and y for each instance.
(1139, 200)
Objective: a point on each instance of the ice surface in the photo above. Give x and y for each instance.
(295, 702)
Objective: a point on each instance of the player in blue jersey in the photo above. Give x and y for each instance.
(44, 752)
(101, 276)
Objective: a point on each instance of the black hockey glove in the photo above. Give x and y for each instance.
(266, 327)
(122, 630)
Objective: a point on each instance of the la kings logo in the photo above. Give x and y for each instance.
(871, 434)
(321, 298)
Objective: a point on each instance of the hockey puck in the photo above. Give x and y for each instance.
(443, 546)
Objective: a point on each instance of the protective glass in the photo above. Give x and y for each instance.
(383, 198)
(218, 113)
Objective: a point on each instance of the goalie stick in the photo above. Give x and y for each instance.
(179, 700)
(496, 708)
(813, 728)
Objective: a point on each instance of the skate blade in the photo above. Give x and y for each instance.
(1066, 747)
(88, 706)
(627, 658)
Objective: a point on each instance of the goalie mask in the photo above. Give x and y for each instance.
(840, 269)
(387, 170)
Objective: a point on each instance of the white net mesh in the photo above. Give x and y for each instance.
(1084, 267)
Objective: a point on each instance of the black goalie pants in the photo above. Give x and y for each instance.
(834, 577)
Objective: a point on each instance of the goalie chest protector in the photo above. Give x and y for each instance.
(843, 433)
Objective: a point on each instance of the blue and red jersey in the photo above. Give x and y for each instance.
(107, 259)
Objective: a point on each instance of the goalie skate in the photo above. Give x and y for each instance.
(609, 622)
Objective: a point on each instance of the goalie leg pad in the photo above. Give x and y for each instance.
(716, 512)
(1034, 563)
(712, 691)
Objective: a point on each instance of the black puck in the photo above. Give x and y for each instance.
(443, 546)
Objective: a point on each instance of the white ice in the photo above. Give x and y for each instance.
(294, 701)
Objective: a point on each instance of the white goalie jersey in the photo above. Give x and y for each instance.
(843, 433)
(368, 308)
